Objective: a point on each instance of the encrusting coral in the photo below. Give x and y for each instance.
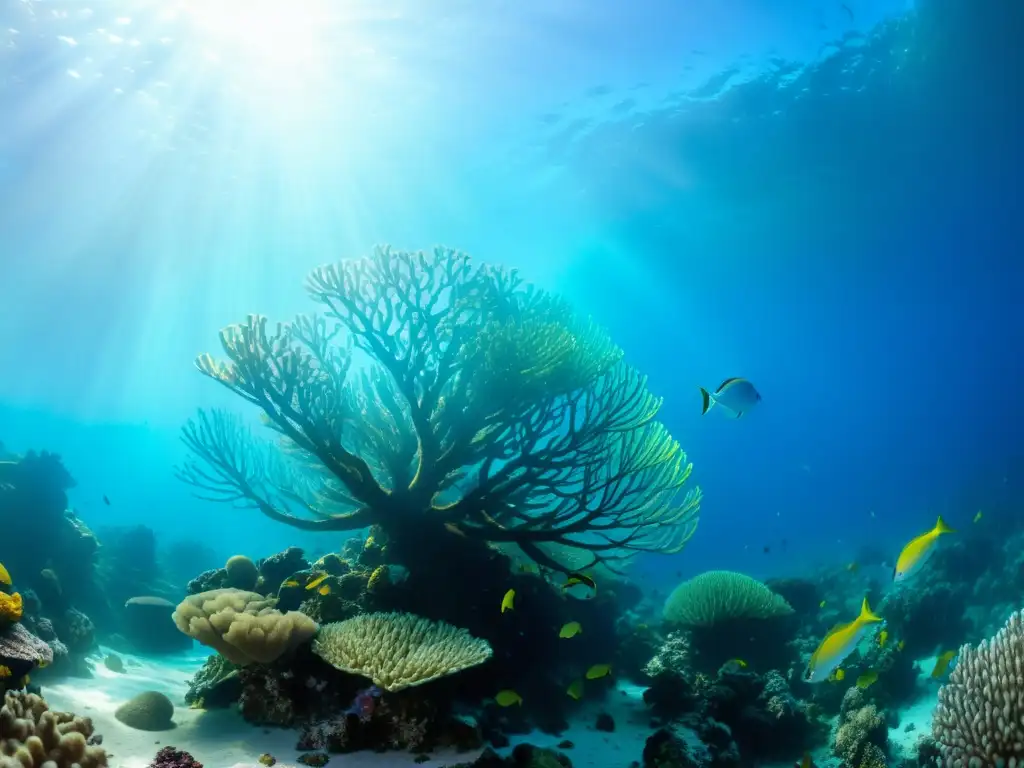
(489, 412)
(399, 650)
(244, 627)
(979, 720)
(33, 736)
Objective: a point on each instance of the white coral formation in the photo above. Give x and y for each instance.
(243, 627)
(979, 721)
(399, 650)
(33, 736)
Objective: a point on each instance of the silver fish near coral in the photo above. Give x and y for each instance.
(736, 396)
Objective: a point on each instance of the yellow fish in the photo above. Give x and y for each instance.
(571, 629)
(977, 517)
(575, 689)
(942, 663)
(316, 582)
(325, 590)
(738, 662)
(290, 583)
(883, 636)
(821, 604)
(867, 679)
(900, 644)
(508, 600)
(508, 697)
(917, 552)
(839, 643)
(598, 671)
(5, 672)
(837, 676)
(5, 576)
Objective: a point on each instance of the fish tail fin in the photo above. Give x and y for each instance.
(866, 616)
(941, 527)
(708, 401)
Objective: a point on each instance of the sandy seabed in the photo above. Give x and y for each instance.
(221, 739)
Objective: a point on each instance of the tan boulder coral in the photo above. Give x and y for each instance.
(33, 736)
(399, 650)
(243, 627)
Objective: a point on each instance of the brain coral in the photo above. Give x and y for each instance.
(33, 736)
(716, 596)
(979, 720)
(399, 650)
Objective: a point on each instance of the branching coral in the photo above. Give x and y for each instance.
(399, 650)
(488, 409)
(33, 736)
(979, 720)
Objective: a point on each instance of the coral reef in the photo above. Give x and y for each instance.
(34, 736)
(979, 719)
(732, 616)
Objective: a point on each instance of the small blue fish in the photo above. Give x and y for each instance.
(735, 395)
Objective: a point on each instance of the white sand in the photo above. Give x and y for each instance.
(217, 738)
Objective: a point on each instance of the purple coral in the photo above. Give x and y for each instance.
(169, 757)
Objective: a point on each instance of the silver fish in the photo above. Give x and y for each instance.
(735, 395)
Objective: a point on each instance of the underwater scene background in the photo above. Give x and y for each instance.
(707, 454)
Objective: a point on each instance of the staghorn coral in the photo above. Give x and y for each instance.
(467, 363)
(718, 596)
(979, 720)
(243, 627)
(34, 736)
(399, 650)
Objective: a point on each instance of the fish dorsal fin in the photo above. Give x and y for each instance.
(866, 616)
(941, 527)
(727, 382)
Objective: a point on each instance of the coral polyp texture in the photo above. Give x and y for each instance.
(34, 736)
(399, 650)
(979, 720)
(479, 406)
(243, 627)
(716, 596)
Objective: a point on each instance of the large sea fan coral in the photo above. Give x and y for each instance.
(399, 650)
(979, 720)
(486, 408)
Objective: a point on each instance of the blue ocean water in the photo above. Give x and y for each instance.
(821, 201)
(822, 197)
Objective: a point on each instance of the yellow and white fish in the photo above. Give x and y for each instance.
(736, 396)
(839, 643)
(917, 552)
